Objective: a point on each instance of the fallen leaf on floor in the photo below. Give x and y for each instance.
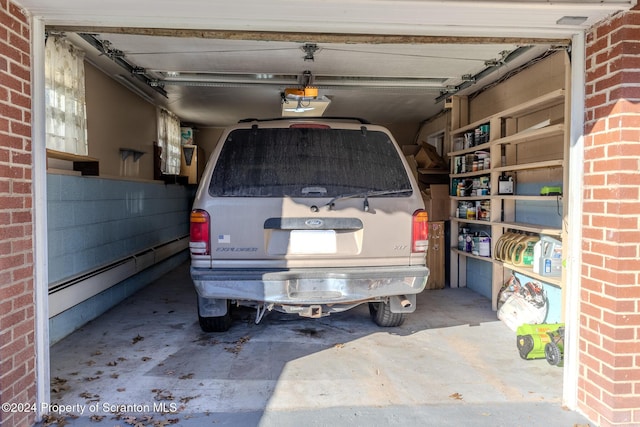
(121, 359)
(114, 363)
(456, 396)
(121, 389)
(90, 363)
(162, 394)
(130, 419)
(97, 418)
(339, 345)
(137, 339)
(96, 353)
(146, 359)
(186, 377)
(58, 385)
(186, 399)
(238, 347)
(49, 420)
(114, 376)
(90, 396)
(89, 379)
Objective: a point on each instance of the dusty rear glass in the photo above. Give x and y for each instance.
(307, 162)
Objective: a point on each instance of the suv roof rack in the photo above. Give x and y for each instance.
(356, 119)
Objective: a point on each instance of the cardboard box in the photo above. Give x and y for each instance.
(436, 202)
(428, 158)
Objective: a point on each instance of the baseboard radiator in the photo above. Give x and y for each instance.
(72, 291)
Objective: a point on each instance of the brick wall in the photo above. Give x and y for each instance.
(609, 349)
(17, 351)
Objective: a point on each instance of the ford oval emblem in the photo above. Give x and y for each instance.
(314, 222)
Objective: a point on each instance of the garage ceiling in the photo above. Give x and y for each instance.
(388, 61)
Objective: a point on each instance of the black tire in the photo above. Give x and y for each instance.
(382, 316)
(552, 354)
(525, 345)
(216, 323)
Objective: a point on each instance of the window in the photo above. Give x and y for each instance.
(274, 162)
(66, 120)
(169, 142)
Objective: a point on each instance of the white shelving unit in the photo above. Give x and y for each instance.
(529, 142)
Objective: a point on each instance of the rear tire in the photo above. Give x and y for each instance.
(552, 354)
(382, 316)
(217, 323)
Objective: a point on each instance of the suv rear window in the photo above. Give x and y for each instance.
(307, 162)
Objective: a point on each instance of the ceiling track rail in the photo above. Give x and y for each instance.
(490, 68)
(118, 57)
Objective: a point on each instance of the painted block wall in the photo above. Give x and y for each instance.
(70, 320)
(95, 221)
(609, 338)
(17, 314)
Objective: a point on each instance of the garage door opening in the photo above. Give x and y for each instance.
(398, 107)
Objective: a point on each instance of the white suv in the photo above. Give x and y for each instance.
(310, 217)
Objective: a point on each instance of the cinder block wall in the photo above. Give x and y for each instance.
(609, 383)
(17, 326)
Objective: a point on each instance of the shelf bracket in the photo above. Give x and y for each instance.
(126, 152)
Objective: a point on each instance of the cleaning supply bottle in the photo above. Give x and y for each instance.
(550, 263)
(537, 255)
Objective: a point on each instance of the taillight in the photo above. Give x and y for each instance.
(420, 231)
(199, 232)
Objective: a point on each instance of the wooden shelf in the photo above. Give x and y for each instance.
(521, 226)
(470, 198)
(470, 221)
(481, 147)
(472, 174)
(530, 228)
(543, 102)
(531, 135)
(84, 164)
(548, 100)
(528, 271)
(470, 255)
(549, 164)
(527, 198)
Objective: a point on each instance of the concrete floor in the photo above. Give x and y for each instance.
(147, 363)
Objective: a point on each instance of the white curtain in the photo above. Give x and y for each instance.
(66, 120)
(169, 142)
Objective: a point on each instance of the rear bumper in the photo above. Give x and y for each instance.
(301, 287)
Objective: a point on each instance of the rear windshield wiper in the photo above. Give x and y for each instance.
(366, 195)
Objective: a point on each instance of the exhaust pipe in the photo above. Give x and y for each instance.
(404, 301)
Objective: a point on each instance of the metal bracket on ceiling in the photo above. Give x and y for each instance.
(309, 49)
